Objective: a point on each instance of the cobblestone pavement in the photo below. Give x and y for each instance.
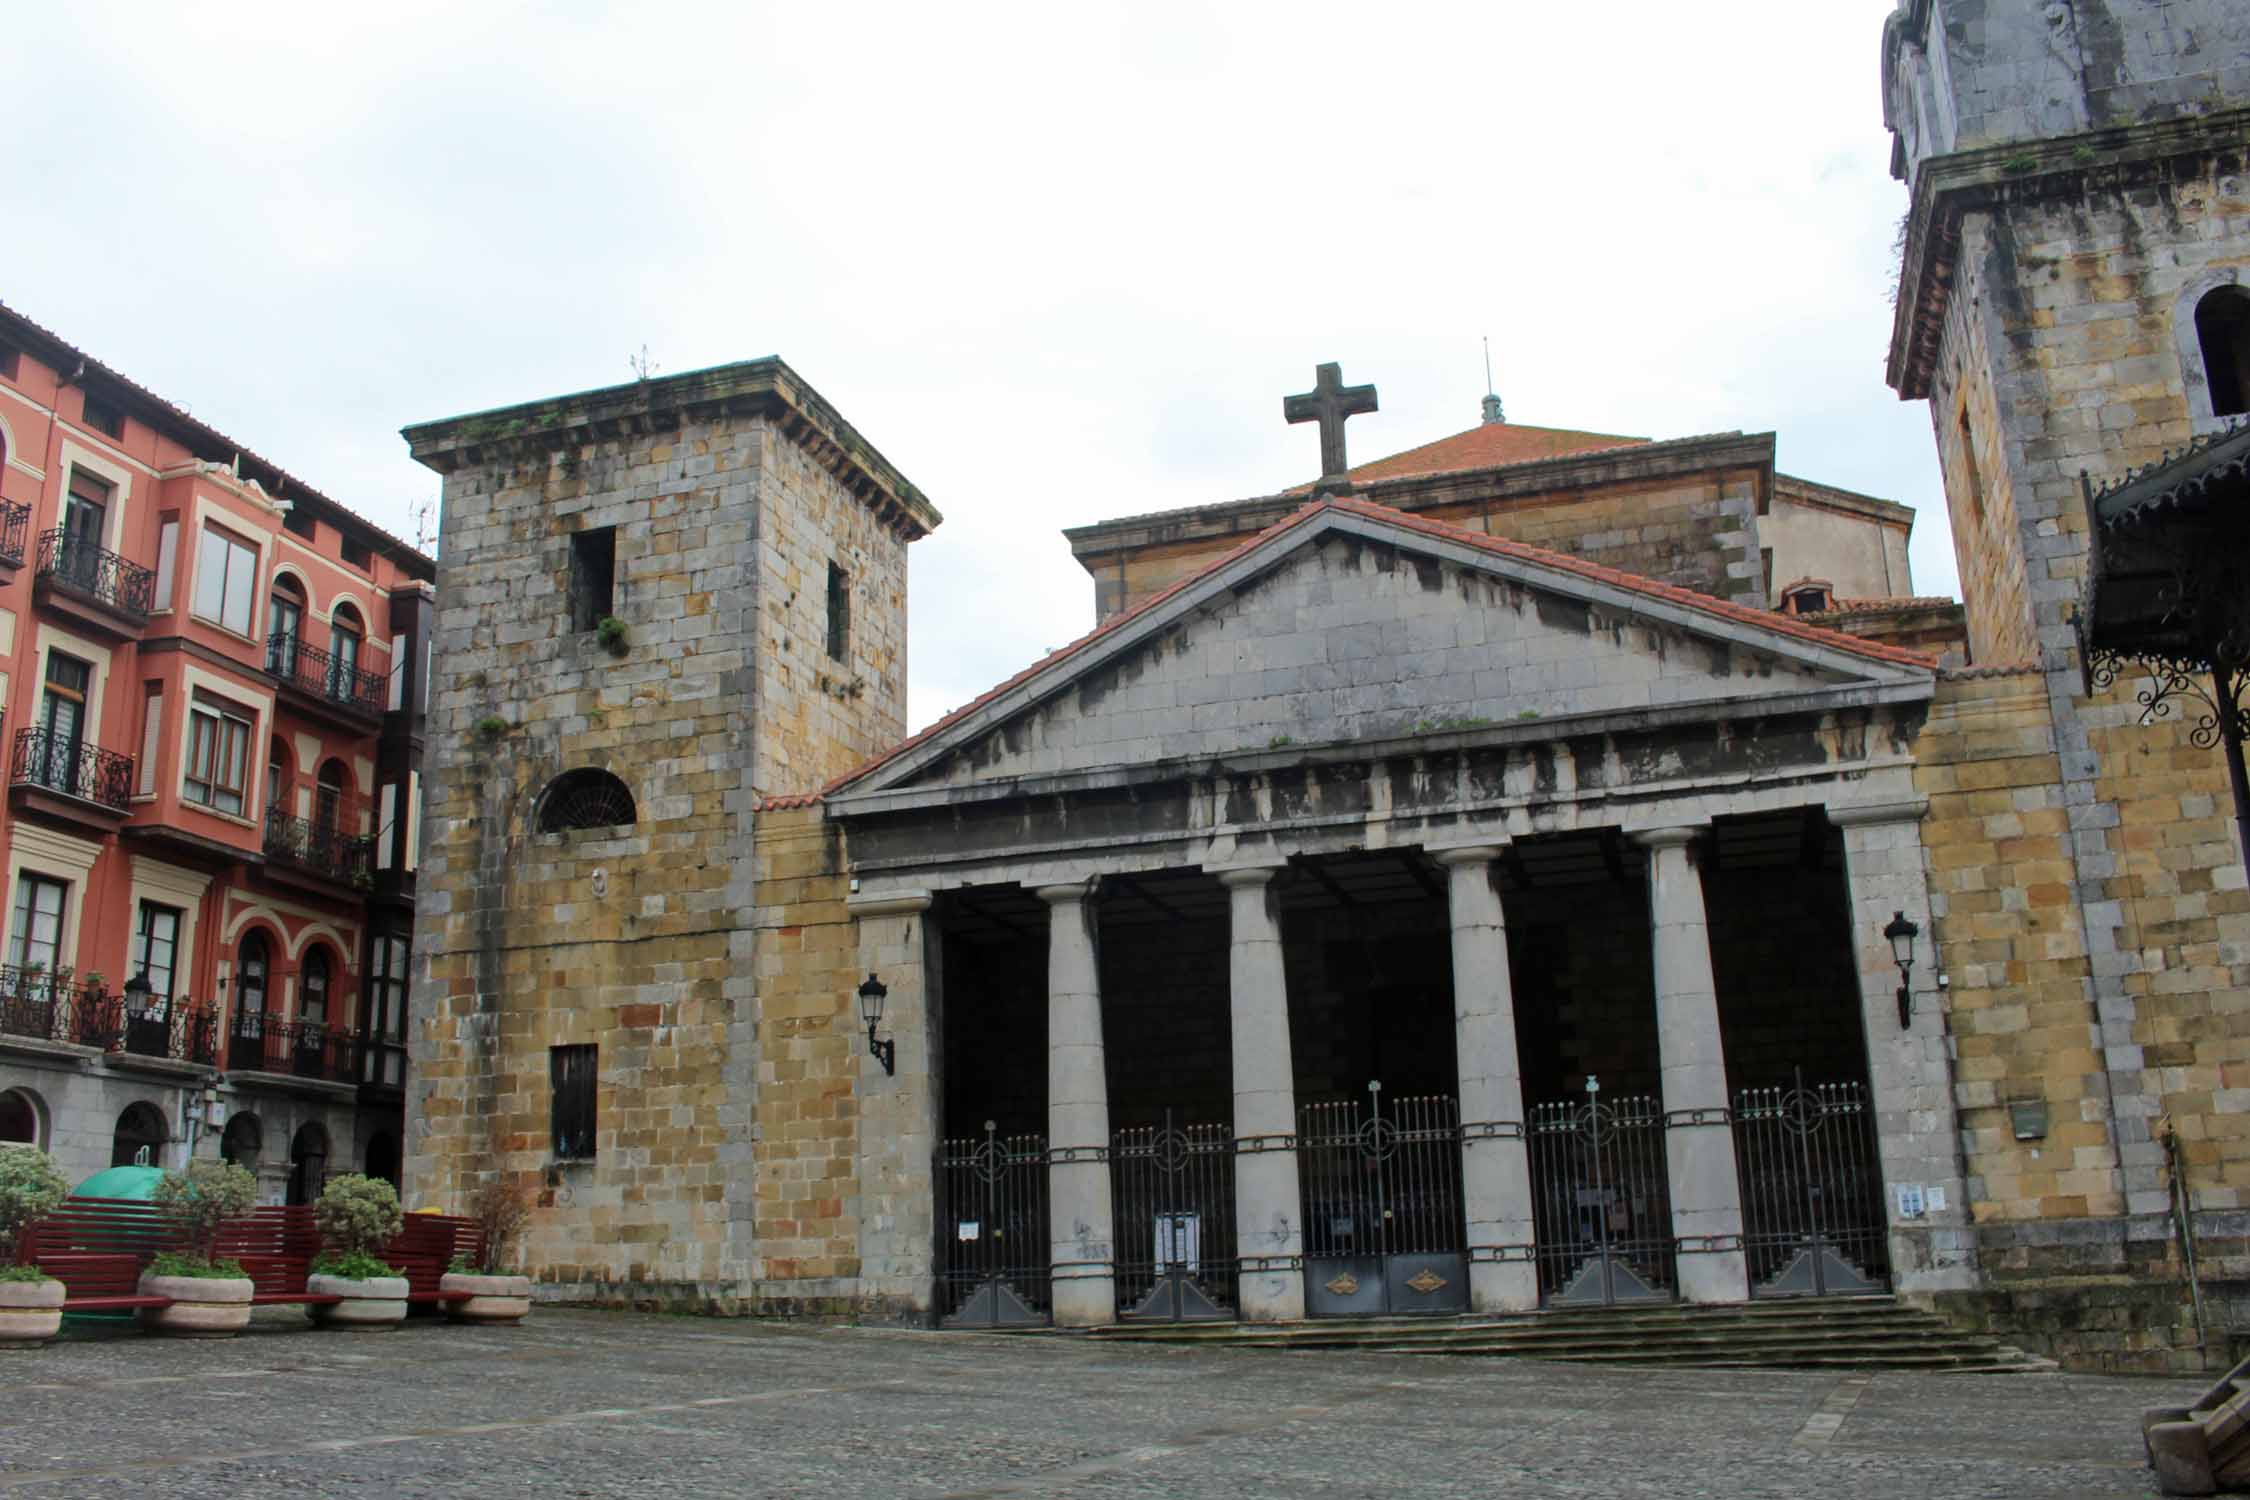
(610, 1404)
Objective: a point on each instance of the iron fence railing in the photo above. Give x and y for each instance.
(56, 1006)
(263, 1042)
(97, 572)
(1172, 1208)
(994, 1248)
(1601, 1198)
(72, 767)
(311, 670)
(1813, 1223)
(321, 847)
(15, 530)
(1384, 1226)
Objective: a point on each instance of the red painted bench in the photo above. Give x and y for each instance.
(97, 1248)
(98, 1282)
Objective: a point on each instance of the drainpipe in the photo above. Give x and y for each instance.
(2183, 1224)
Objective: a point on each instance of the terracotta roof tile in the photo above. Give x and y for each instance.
(1445, 531)
(1899, 605)
(1489, 445)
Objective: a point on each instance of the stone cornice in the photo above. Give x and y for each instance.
(758, 387)
(2068, 166)
(1576, 471)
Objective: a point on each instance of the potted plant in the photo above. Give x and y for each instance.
(357, 1216)
(496, 1294)
(210, 1296)
(30, 1300)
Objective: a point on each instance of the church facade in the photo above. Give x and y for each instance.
(1538, 868)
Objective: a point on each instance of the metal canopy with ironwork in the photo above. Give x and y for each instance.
(2168, 593)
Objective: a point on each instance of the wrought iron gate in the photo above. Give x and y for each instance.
(1812, 1191)
(1172, 1196)
(1599, 1190)
(993, 1248)
(1384, 1231)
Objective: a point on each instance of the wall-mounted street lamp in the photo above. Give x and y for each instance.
(1902, 934)
(871, 997)
(137, 990)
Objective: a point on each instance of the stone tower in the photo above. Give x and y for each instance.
(658, 602)
(2078, 225)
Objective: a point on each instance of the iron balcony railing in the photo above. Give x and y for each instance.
(72, 767)
(15, 530)
(96, 572)
(54, 1006)
(321, 847)
(311, 670)
(262, 1042)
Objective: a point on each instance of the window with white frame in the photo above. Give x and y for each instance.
(226, 579)
(218, 758)
(156, 947)
(35, 937)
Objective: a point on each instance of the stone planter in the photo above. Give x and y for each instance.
(203, 1307)
(30, 1312)
(493, 1299)
(372, 1305)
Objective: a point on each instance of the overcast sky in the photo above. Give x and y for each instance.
(1059, 262)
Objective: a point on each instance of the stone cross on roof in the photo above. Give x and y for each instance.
(1329, 402)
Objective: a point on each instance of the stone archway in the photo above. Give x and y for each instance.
(140, 1137)
(308, 1162)
(23, 1118)
(244, 1141)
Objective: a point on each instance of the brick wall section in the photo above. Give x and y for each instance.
(805, 1210)
(639, 941)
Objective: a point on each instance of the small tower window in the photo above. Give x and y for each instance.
(2222, 328)
(1808, 596)
(593, 577)
(585, 798)
(839, 613)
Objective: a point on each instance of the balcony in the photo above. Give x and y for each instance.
(15, 531)
(319, 854)
(41, 1006)
(314, 680)
(68, 780)
(93, 586)
(262, 1042)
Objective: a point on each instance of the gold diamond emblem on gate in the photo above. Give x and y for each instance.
(1345, 1284)
(1425, 1281)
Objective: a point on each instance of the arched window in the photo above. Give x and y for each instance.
(585, 798)
(312, 988)
(22, 1121)
(141, 1134)
(246, 1038)
(244, 1141)
(285, 625)
(308, 1163)
(345, 633)
(2222, 330)
(277, 779)
(328, 798)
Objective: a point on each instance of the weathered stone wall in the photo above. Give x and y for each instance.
(1980, 489)
(637, 940)
(1699, 531)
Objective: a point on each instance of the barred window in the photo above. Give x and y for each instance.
(572, 1071)
(585, 798)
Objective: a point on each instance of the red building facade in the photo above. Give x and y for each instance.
(211, 682)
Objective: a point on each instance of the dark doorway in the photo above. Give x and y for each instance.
(308, 1163)
(140, 1137)
(382, 1157)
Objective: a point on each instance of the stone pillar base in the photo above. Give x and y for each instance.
(1503, 1286)
(1085, 1298)
(1713, 1276)
(1274, 1295)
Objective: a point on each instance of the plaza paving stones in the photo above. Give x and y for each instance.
(613, 1404)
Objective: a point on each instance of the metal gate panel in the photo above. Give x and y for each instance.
(1172, 1197)
(1600, 1193)
(1812, 1191)
(1384, 1229)
(993, 1246)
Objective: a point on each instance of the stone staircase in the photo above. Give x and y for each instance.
(1857, 1333)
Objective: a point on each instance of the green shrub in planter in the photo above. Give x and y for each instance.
(30, 1187)
(356, 1215)
(198, 1201)
(202, 1268)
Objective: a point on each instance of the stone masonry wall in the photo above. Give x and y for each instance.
(637, 940)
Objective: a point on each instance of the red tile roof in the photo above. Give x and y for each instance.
(1903, 604)
(1780, 624)
(1489, 445)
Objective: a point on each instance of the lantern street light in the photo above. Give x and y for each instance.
(871, 997)
(1902, 934)
(137, 991)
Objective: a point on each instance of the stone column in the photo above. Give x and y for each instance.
(1083, 1250)
(1909, 1068)
(1495, 1164)
(1268, 1205)
(898, 1113)
(1698, 1135)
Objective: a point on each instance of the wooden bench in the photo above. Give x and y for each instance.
(94, 1282)
(424, 1250)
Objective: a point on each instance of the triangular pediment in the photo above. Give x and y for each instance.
(1353, 624)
